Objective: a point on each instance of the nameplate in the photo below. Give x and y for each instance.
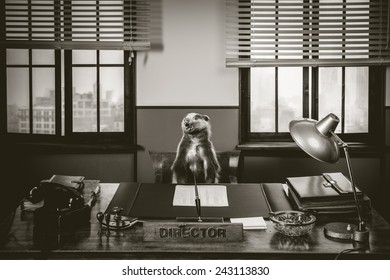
(192, 232)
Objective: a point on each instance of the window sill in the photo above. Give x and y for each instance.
(67, 148)
(292, 149)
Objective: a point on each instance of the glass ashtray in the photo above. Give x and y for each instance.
(292, 223)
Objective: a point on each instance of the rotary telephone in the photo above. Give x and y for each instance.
(64, 211)
(57, 196)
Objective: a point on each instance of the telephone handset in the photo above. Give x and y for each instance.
(57, 196)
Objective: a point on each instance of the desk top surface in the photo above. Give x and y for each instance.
(129, 244)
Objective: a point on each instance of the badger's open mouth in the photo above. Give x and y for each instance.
(188, 126)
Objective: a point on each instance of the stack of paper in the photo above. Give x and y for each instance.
(210, 195)
(251, 222)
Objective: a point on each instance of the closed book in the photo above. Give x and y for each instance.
(318, 188)
(76, 182)
(328, 206)
(276, 197)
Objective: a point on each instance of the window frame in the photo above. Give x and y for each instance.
(127, 137)
(376, 94)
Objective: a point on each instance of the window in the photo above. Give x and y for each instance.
(68, 68)
(279, 94)
(97, 88)
(308, 58)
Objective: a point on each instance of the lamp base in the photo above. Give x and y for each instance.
(346, 231)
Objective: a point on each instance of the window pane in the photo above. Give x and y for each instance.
(18, 100)
(111, 57)
(111, 99)
(356, 99)
(17, 57)
(84, 99)
(40, 57)
(83, 57)
(290, 87)
(262, 99)
(43, 83)
(330, 86)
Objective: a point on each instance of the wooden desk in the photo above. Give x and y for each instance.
(128, 244)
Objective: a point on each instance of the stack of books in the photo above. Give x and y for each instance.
(328, 196)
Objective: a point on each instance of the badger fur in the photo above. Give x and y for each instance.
(195, 155)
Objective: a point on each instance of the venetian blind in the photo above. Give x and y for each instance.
(76, 24)
(307, 32)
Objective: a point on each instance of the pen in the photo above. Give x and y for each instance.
(197, 200)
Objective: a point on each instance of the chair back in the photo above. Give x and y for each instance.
(162, 162)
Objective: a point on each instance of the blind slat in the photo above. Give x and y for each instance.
(235, 39)
(300, 10)
(101, 45)
(80, 26)
(24, 22)
(262, 32)
(77, 24)
(70, 17)
(299, 20)
(235, 3)
(307, 62)
(259, 27)
(306, 31)
(321, 42)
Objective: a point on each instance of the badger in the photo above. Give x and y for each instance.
(195, 158)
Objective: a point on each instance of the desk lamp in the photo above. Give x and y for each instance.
(318, 139)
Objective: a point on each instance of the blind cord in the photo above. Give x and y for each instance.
(388, 27)
(131, 34)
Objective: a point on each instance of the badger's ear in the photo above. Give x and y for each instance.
(206, 118)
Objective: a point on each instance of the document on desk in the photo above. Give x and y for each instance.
(210, 195)
(251, 222)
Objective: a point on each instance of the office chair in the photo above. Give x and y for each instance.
(162, 162)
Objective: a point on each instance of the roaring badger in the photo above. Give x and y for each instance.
(195, 155)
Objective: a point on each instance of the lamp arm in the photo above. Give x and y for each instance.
(346, 152)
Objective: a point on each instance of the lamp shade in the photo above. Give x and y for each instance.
(316, 139)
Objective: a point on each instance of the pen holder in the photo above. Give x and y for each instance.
(204, 219)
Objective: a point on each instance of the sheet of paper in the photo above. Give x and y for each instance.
(251, 222)
(210, 195)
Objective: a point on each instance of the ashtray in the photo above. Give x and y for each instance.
(292, 223)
